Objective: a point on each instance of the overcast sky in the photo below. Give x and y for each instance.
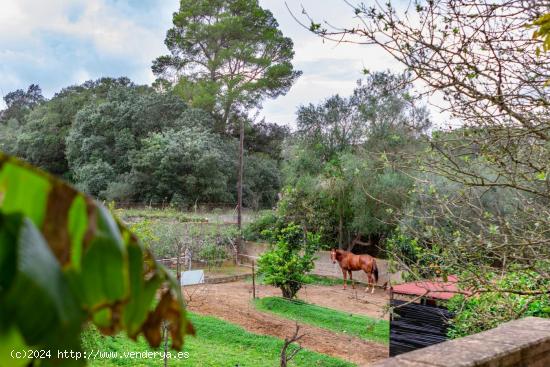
(57, 43)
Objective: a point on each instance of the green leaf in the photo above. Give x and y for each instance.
(142, 291)
(541, 176)
(9, 231)
(78, 223)
(64, 260)
(11, 340)
(102, 278)
(39, 299)
(23, 191)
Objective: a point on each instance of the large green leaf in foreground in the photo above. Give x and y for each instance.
(64, 260)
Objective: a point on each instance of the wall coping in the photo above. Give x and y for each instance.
(524, 342)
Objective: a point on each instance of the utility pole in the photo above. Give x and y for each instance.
(253, 281)
(240, 186)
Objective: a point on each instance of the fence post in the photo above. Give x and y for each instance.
(253, 281)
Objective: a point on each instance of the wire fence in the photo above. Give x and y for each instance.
(344, 340)
(249, 262)
(215, 300)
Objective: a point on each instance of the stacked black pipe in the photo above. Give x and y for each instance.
(414, 326)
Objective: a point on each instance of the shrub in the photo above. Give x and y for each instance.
(213, 254)
(289, 259)
(489, 309)
(416, 261)
(254, 230)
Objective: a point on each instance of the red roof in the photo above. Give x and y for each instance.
(435, 289)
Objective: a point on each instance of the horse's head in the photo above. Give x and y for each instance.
(333, 255)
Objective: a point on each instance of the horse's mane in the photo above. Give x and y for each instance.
(339, 253)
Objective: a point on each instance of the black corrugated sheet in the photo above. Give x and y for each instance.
(414, 326)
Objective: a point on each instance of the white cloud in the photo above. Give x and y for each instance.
(328, 68)
(56, 43)
(81, 75)
(110, 31)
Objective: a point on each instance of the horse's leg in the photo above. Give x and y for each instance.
(345, 273)
(368, 282)
(351, 278)
(371, 282)
(369, 279)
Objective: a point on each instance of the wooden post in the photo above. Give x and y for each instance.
(240, 185)
(178, 268)
(253, 281)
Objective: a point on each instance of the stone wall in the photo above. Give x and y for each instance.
(519, 343)
(325, 267)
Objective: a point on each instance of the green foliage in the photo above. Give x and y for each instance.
(261, 181)
(163, 230)
(131, 214)
(542, 31)
(343, 322)
(20, 102)
(65, 260)
(489, 309)
(416, 261)
(260, 229)
(213, 254)
(43, 130)
(94, 177)
(119, 141)
(144, 230)
(288, 260)
(160, 236)
(266, 138)
(342, 174)
(233, 345)
(190, 162)
(111, 130)
(228, 56)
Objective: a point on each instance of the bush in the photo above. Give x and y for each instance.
(93, 178)
(487, 310)
(416, 261)
(213, 254)
(289, 259)
(254, 230)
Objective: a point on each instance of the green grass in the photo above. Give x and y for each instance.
(218, 343)
(320, 280)
(309, 279)
(350, 324)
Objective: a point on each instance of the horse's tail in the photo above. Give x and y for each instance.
(375, 271)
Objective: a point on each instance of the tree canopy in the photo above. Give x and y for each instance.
(120, 141)
(225, 57)
(479, 204)
(340, 168)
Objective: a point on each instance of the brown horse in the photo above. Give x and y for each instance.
(350, 262)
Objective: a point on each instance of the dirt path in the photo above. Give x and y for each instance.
(232, 302)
